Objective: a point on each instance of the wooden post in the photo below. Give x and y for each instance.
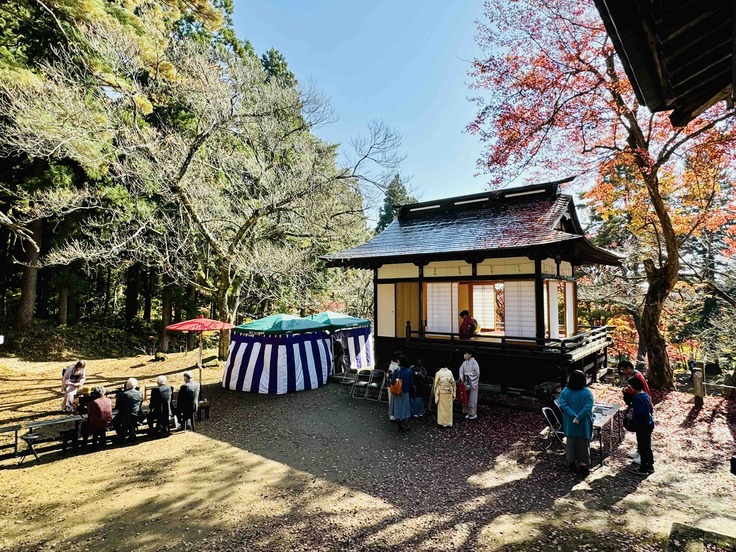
(698, 389)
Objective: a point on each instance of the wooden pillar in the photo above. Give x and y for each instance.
(539, 301)
(698, 388)
(421, 300)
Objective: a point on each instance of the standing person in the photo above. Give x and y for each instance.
(692, 367)
(130, 413)
(99, 417)
(644, 422)
(576, 405)
(402, 407)
(392, 367)
(467, 326)
(470, 375)
(160, 408)
(629, 372)
(444, 394)
(72, 379)
(416, 393)
(187, 401)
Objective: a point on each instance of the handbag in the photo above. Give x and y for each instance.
(462, 392)
(629, 422)
(395, 387)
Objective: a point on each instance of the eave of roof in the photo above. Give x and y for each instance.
(677, 55)
(520, 221)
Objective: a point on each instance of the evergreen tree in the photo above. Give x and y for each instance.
(396, 195)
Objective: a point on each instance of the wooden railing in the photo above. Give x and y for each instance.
(593, 339)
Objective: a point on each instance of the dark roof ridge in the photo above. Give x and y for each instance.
(545, 189)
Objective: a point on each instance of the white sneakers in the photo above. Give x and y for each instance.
(469, 417)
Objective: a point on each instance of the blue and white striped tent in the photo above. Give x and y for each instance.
(277, 364)
(358, 346)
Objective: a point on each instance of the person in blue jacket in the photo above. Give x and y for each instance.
(644, 422)
(402, 406)
(576, 405)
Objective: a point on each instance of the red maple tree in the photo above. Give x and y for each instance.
(555, 98)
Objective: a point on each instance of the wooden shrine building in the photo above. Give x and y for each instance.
(507, 256)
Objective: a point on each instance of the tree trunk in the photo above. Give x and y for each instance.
(150, 276)
(641, 350)
(165, 314)
(63, 305)
(132, 289)
(24, 315)
(106, 310)
(223, 287)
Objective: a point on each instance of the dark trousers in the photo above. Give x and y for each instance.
(644, 444)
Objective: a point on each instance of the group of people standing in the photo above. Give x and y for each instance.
(128, 410)
(410, 402)
(576, 404)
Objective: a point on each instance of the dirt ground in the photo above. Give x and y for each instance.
(317, 471)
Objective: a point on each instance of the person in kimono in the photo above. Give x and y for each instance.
(417, 392)
(392, 368)
(402, 406)
(470, 375)
(576, 405)
(72, 379)
(444, 394)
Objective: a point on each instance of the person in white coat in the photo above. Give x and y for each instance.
(470, 374)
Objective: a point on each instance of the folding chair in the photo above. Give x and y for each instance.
(554, 426)
(383, 390)
(360, 386)
(375, 385)
(347, 381)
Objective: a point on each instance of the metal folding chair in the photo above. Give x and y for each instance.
(373, 391)
(347, 381)
(360, 386)
(554, 427)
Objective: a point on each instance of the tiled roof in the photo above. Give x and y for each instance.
(495, 224)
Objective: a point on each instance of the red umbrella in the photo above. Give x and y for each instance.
(200, 325)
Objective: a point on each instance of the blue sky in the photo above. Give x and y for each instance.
(403, 62)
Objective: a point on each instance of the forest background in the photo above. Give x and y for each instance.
(154, 167)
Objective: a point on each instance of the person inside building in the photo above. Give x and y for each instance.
(467, 326)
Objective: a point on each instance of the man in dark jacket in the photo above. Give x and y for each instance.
(130, 414)
(187, 401)
(160, 408)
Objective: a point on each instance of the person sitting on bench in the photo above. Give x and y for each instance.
(160, 408)
(99, 418)
(187, 401)
(130, 414)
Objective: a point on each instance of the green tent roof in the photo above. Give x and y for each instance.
(338, 321)
(280, 324)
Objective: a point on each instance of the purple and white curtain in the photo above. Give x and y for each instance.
(277, 364)
(358, 345)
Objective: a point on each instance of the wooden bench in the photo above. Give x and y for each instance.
(14, 429)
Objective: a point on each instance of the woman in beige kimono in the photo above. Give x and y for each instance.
(444, 394)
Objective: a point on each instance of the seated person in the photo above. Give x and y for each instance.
(130, 414)
(99, 417)
(187, 402)
(160, 408)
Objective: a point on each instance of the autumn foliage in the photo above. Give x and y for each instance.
(554, 100)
